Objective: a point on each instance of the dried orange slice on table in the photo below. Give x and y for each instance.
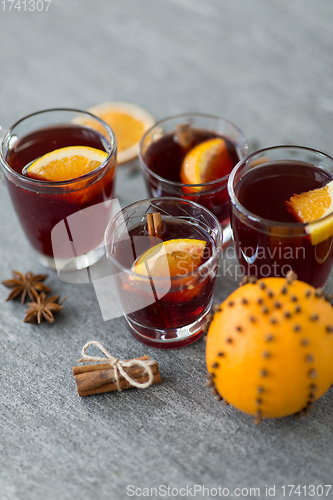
(312, 206)
(173, 258)
(128, 121)
(206, 162)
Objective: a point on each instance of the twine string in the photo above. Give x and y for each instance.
(118, 365)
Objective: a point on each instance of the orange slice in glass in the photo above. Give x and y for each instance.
(72, 163)
(66, 163)
(171, 258)
(206, 162)
(313, 206)
(128, 121)
(174, 259)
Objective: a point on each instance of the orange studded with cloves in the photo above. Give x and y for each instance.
(269, 348)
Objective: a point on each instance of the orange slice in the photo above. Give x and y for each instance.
(66, 163)
(170, 258)
(206, 162)
(128, 121)
(313, 206)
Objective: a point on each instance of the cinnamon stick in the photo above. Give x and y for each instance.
(97, 379)
(154, 224)
(158, 224)
(124, 384)
(150, 225)
(184, 135)
(101, 366)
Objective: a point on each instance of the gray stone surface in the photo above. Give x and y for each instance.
(267, 66)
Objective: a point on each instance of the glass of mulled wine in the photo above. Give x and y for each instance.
(64, 221)
(270, 237)
(191, 156)
(165, 281)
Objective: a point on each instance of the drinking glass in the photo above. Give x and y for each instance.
(161, 156)
(161, 310)
(267, 247)
(64, 221)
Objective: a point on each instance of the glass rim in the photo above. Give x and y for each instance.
(181, 184)
(56, 184)
(216, 248)
(261, 220)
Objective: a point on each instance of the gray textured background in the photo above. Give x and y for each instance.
(267, 66)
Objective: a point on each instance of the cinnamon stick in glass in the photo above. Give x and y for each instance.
(184, 135)
(154, 224)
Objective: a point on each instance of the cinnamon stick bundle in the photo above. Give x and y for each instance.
(100, 378)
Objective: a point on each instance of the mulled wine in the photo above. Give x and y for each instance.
(164, 150)
(165, 157)
(41, 205)
(270, 242)
(165, 309)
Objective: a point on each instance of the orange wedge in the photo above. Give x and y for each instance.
(66, 163)
(206, 162)
(128, 121)
(313, 206)
(171, 258)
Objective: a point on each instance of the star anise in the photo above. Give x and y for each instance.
(43, 308)
(25, 284)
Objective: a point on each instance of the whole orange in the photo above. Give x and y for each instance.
(269, 348)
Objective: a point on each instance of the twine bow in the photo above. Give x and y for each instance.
(118, 366)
